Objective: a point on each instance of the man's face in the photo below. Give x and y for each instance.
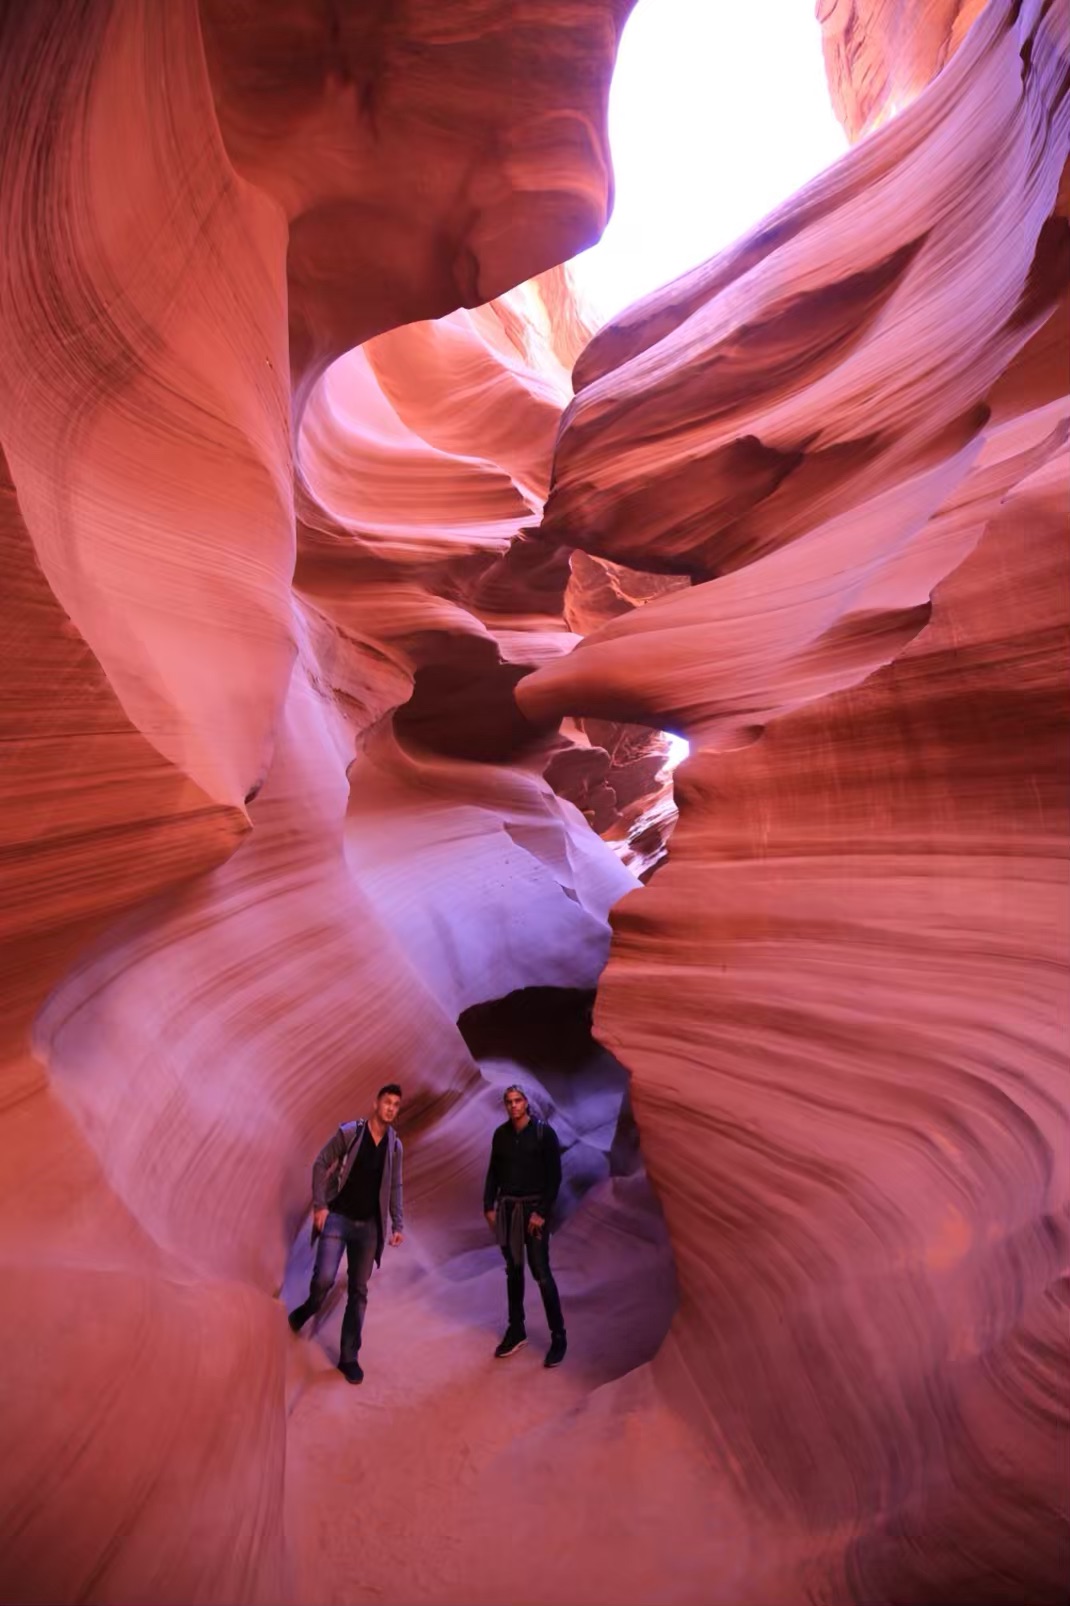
(387, 1107)
(516, 1106)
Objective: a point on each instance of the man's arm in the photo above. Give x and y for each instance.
(332, 1150)
(397, 1213)
(551, 1171)
(490, 1186)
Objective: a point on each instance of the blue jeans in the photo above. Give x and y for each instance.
(360, 1240)
(538, 1252)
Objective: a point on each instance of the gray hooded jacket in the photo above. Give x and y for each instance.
(335, 1161)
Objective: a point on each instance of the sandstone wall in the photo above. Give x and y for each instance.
(332, 626)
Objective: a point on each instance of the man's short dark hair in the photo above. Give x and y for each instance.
(390, 1087)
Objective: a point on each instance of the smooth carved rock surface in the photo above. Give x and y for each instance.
(334, 626)
(879, 58)
(348, 118)
(861, 935)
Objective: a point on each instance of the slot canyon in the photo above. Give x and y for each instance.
(354, 587)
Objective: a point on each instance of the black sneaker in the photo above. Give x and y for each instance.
(297, 1319)
(556, 1353)
(510, 1344)
(352, 1371)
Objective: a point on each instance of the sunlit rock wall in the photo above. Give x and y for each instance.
(880, 54)
(210, 956)
(304, 749)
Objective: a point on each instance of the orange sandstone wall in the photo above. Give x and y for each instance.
(844, 1000)
(327, 611)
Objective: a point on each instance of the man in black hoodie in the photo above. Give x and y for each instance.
(523, 1179)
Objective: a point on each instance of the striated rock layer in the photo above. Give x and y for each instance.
(340, 641)
(205, 963)
(844, 1002)
(880, 56)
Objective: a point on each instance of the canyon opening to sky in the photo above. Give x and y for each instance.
(375, 545)
(717, 114)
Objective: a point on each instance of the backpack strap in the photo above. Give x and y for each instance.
(351, 1132)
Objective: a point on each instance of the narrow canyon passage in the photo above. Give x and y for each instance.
(442, 1427)
(358, 597)
(450, 1434)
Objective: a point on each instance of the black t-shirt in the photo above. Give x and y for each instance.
(524, 1162)
(359, 1198)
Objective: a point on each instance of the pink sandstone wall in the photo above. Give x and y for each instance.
(332, 626)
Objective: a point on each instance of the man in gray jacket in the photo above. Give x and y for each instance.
(356, 1186)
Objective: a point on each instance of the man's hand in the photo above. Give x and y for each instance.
(492, 1218)
(396, 1238)
(536, 1223)
(319, 1219)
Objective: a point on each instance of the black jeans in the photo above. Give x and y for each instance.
(538, 1253)
(360, 1240)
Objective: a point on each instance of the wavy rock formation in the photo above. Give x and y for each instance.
(878, 58)
(172, 700)
(856, 1118)
(348, 118)
(340, 644)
